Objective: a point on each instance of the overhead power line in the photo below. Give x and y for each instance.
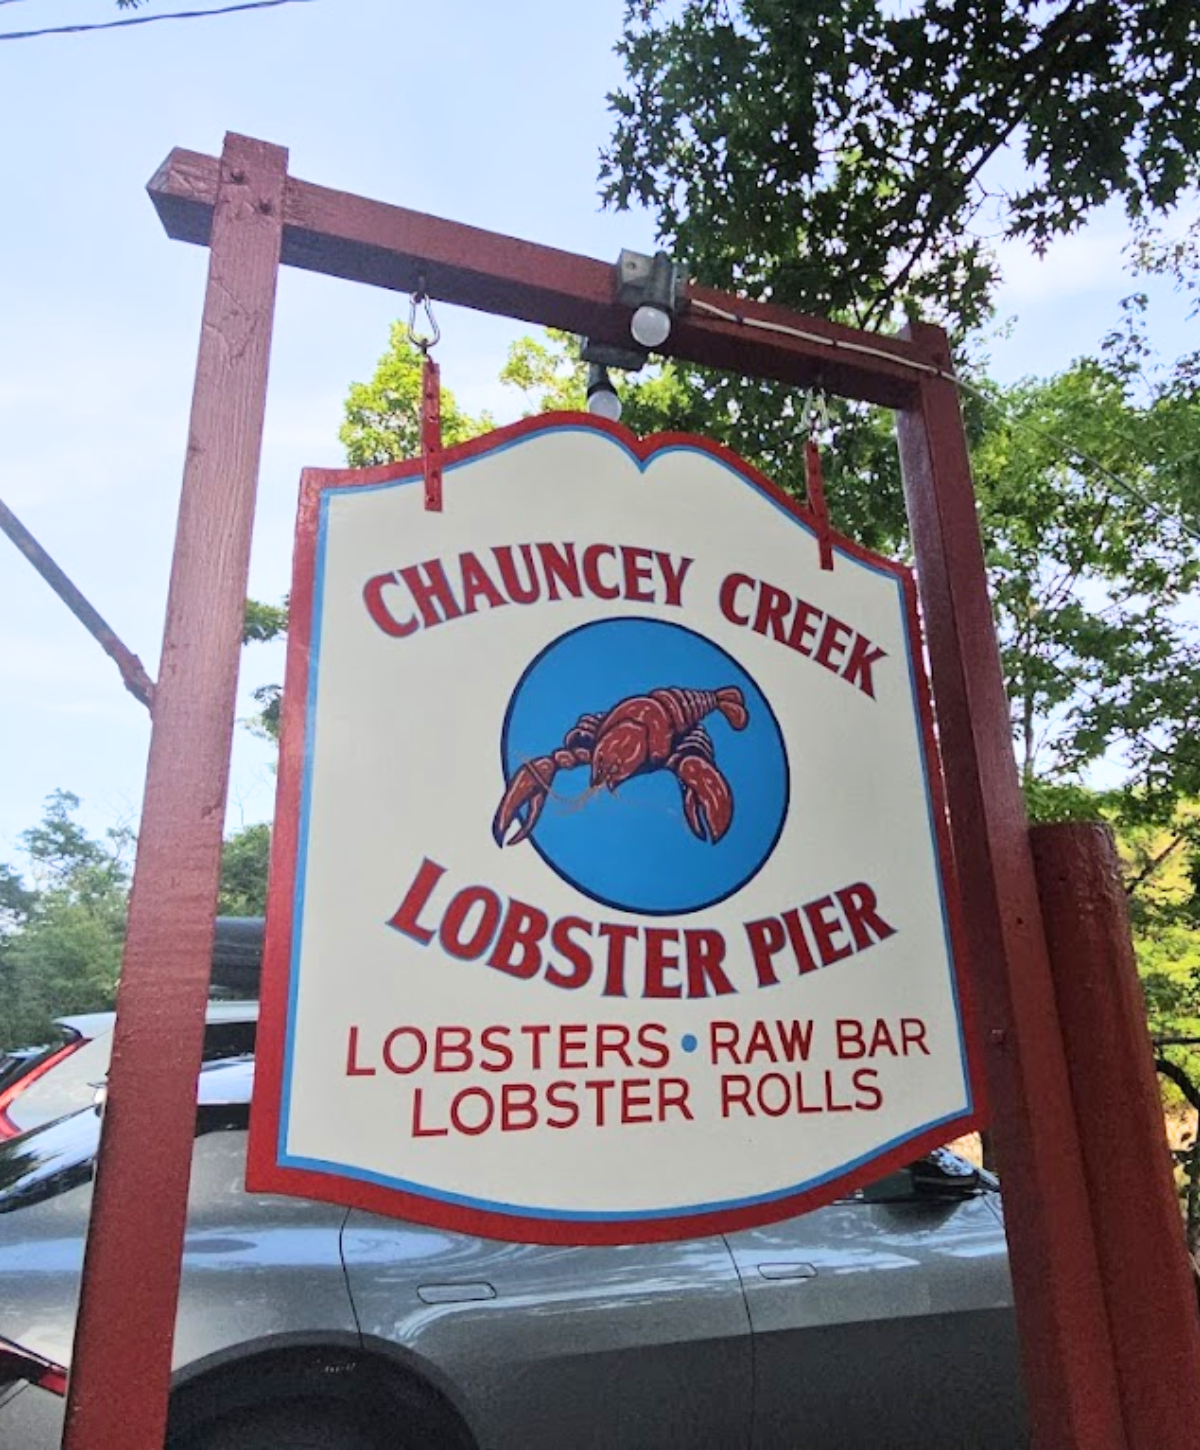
(915, 365)
(1082, 459)
(143, 19)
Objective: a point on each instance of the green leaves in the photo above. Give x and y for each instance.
(383, 417)
(838, 156)
(245, 858)
(1089, 570)
(60, 942)
(62, 922)
(263, 622)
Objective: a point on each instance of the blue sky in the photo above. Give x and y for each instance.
(489, 114)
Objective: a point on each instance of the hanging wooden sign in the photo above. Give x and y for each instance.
(610, 892)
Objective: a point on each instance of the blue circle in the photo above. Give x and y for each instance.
(633, 848)
(688, 1042)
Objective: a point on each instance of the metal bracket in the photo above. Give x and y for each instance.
(609, 355)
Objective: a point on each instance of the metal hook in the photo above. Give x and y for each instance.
(421, 298)
(816, 412)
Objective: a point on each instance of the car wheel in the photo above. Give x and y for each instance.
(297, 1426)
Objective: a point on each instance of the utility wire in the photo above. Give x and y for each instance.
(843, 345)
(1122, 485)
(143, 19)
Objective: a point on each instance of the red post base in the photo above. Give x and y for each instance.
(1138, 1228)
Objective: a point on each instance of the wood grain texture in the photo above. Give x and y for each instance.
(361, 240)
(1144, 1269)
(122, 1358)
(1066, 1347)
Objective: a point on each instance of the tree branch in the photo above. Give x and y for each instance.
(1062, 26)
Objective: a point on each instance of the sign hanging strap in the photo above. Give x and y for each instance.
(815, 482)
(431, 397)
(431, 433)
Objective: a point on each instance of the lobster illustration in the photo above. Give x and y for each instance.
(640, 734)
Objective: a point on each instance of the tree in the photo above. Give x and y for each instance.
(383, 417)
(15, 903)
(62, 924)
(762, 422)
(262, 623)
(245, 857)
(847, 157)
(61, 949)
(1088, 578)
(841, 158)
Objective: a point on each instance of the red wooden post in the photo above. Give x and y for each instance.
(1068, 1355)
(1144, 1270)
(121, 1363)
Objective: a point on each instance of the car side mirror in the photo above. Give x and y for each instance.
(944, 1176)
(940, 1178)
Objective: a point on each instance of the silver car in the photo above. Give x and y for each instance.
(63, 1076)
(882, 1320)
(41, 1083)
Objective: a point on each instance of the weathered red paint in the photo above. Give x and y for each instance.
(388, 246)
(1144, 1270)
(1066, 1348)
(117, 1397)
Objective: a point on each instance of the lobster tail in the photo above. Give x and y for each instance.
(733, 707)
(688, 707)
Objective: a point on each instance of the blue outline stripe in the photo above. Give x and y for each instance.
(462, 1200)
(298, 899)
(327, 496)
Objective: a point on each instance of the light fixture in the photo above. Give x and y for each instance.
(651, 326)
(602, 399)
(652, 286)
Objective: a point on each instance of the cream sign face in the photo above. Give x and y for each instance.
(610, 894)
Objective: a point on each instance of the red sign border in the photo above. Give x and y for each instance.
(264, 1174)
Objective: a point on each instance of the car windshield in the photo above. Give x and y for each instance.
(15, 1065)
(48, 1160)
(72, 1082)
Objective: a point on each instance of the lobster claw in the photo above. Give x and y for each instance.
(707, 799)
(523, 800)
(528, 789)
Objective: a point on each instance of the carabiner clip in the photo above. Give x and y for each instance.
(422, 343)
